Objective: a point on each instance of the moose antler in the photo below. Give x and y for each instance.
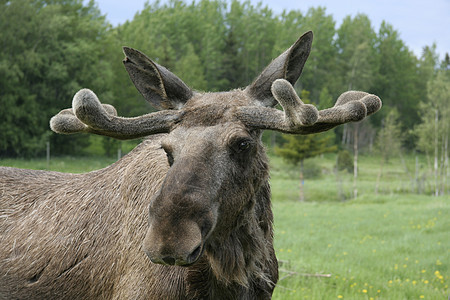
(164, 90)
(89, 115)
(300, 118)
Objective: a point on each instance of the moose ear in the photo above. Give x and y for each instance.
(288, 65)
(159, 86)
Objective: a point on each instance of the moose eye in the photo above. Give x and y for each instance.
(242, 145)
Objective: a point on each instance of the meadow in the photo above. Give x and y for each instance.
(391, 245)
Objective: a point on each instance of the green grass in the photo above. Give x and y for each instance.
(66, 164)
(390, 245)
(398, 248)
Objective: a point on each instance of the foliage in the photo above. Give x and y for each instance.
(344, 161)
(433, 133)
(397, 81)
(300, 147)
(389, 139)
(436, 106)
(356, 41)
(50, 49)
(312, 170)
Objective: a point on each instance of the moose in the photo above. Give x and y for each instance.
(185, 215)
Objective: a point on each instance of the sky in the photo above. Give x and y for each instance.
(419, 22)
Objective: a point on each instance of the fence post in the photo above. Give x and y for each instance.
(48, 154)
(119, 151)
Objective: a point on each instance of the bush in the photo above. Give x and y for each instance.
(344, 161)
(311, 170)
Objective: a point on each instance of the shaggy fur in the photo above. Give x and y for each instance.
(67, 236)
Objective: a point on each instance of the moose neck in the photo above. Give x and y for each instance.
(239, 262)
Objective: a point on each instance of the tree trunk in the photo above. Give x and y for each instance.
(444, 161)
(380, 172)
(416, 176)
(119, 151)
(273, 137)
(355, 160)
(341, 195)
(302, 183)
(48, 155)
(436, 151)
(407, 171)
(344, 134)
(445, 164)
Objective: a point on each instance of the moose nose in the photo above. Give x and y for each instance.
(181, 246)
(182, 261)
(169, 260)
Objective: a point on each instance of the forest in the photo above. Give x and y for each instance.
(53, 48)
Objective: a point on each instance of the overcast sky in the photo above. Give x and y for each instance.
(419, 22)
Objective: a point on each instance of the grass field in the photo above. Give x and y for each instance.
(67, 164)
(399, 249)
(393, 245)
(390, 245)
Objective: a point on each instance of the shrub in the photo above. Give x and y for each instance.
(311, 169)
(344, 161)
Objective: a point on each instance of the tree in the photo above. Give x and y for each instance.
(297, 148)
(233, 68)
(433, 132)
(356, 40)
(189, 68)
(255, 33)
(50, 49)
(388, 142)
(53, 48)
(320, 72)
(397, 81)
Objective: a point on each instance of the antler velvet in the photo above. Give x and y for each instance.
(89, 115)
(300, 118)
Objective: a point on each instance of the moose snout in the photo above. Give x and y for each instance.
(183, 260)
(182, 246)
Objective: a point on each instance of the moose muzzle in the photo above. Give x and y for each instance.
(180, 245)
(179, 224)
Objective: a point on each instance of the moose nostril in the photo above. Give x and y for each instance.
(169, 260)
(195, 254)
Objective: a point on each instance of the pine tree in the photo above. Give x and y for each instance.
(388, 141)
(300, 147)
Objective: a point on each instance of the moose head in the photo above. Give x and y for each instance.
(216, 165)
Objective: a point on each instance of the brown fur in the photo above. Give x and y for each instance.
(69, 236)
